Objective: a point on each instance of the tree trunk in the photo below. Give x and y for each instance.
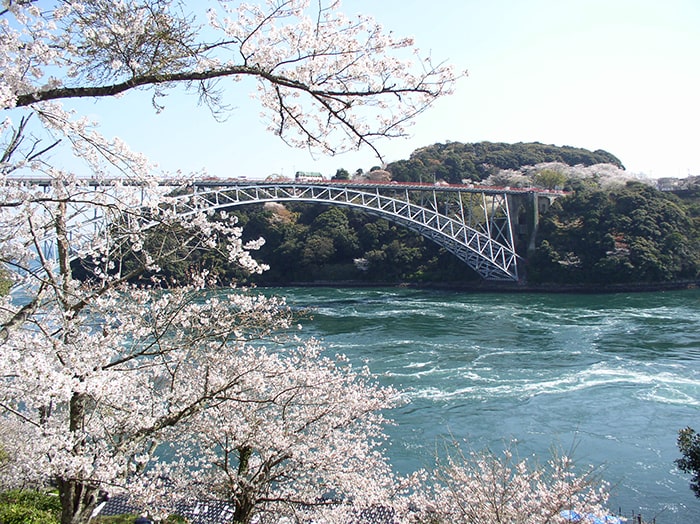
(244, 494)
(78, 500)
(78, 497)
(244, 506)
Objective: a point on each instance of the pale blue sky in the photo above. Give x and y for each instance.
(618, 75)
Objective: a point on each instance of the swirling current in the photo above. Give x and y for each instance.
(610, 378)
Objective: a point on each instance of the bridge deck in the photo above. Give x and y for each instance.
(212, 182)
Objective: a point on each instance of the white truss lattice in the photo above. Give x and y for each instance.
(473, 224)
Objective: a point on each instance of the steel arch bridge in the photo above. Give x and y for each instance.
(474, 224)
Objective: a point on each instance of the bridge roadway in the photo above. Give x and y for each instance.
(484, 226)
(441, 187)
(241, 181)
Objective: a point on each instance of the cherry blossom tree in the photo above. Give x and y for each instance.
(501, 488)
(108, 386)
(300, 438)
(95, 394)
(96, 375)
(555, 175)
(324, 80)
(179, 369)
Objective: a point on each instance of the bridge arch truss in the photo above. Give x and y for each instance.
(473, 224)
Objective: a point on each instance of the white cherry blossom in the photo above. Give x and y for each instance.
(111, 385)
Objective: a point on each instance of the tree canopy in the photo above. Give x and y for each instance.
(625, 234)
(456, 161)
(611, 228)
(689, 446)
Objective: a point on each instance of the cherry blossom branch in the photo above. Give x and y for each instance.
(245, 70)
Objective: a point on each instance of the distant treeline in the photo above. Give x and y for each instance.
(455, 161)
(610, 230)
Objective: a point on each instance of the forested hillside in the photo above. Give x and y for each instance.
(455, 161)
(611, 229)
(622, 235)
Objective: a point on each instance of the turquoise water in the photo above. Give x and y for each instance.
(613, 377)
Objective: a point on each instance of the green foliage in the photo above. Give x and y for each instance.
(311, 243)
(455, 161)
(630, 234)
(689, 446)
(40, 507)
(624, 235)
(29, 507)
(307, 243)
(5, 282)
(620, 235)
(341, 174)
(550, 179)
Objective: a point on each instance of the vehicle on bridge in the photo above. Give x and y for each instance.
(309, 176)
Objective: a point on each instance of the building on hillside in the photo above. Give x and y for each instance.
(678, 184)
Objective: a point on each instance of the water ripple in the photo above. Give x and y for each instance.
(616, 374)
